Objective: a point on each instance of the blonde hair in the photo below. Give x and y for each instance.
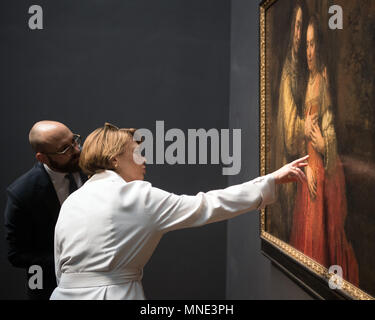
(102, 145)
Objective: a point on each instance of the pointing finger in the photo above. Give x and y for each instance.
(302, 164)
(300, 159)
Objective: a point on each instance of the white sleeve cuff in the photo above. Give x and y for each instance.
(268, 190)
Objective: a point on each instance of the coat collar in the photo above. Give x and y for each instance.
(106, 174)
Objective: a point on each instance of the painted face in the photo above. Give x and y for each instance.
(297, 31)
(310, 48)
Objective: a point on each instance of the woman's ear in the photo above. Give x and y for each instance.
(114, 162)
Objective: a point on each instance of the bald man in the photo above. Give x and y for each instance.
(34, 201)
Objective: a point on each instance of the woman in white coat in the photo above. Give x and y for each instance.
(108, 229)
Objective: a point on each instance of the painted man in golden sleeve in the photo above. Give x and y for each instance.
(290, 143)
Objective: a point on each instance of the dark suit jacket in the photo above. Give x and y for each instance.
(30, 216)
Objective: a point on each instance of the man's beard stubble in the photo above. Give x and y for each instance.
(71, 166)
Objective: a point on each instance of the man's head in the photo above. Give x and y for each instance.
(55, 145)
(296, 29)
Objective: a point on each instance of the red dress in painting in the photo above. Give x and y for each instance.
(318, 222)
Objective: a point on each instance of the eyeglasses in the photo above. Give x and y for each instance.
(76, 141)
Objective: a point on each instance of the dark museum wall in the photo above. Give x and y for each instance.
(130, 63)
(250, 275)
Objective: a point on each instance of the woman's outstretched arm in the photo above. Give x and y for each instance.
(169, 211)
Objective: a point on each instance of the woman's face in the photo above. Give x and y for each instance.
(130, 165)
(310, 48)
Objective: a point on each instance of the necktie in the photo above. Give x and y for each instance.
(72, 183)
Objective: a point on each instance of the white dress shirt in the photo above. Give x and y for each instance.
(108, 229)
(61, 183)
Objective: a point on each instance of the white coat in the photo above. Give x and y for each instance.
(108, 229)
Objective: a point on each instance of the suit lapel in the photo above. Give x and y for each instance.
(48, 193)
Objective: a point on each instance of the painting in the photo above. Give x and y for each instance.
(317, 81)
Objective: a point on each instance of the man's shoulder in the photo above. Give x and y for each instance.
(290, 65)
(25, 185)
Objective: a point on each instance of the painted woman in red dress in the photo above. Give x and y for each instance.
(320, 208)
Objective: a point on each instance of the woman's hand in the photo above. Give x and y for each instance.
(311, 182)
(317, 139)
(291, 172)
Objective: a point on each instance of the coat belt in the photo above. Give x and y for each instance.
(97, 279)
